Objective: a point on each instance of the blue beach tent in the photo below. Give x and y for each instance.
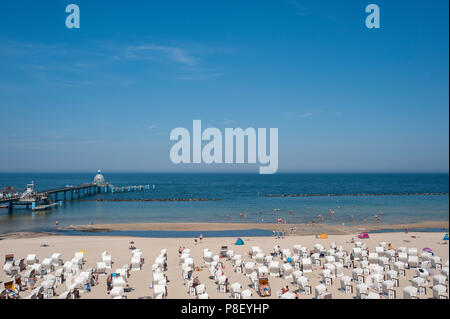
(239, 241)
(445, 237)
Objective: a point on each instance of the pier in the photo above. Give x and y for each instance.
(50, 198)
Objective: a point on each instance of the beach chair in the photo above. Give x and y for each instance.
(287, 295)
(426, 256)
(303, 284)
(118, 292)
(221, 282)
(386, 286)
(260, 259)
(295, 275)
(440, 292)
(435, 260)
(135, 263)
(345, 281)
(297, 250)
(330, 259)
(32, 259)
(120, 282)
(207, 256)
(200, 289)
(318, 248)
(320, 290)
(375, 281)
(306, 265)
(410, 292)
(236, 290)
(373, 259)
(358, 275)
(379, 251)
(418, 282)
(263, 271)
(47, 264)
(399, 266)
(422, 273)
(57, 259)
(331, 268)
(391, 274)
(230, 254)
(238, 265)
(445, 272)
(338, 269)
(412, 252)
(286, 253)
(80, 255)
(249, 268)
(203, 296)
(59, 275)
(403, 257)
(373, 295)
(37, 268)
(267, 260)
(362, 291)
(274, 268)
(107, 259)
(315, 258)
(101, 267)
(287, 270)
(439, 280)
(8, 268)
(246, 294)
(413, 261)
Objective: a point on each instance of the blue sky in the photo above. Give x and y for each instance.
(344, 98)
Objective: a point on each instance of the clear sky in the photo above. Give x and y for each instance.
(344, 98)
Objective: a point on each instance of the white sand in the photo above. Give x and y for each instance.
(140, 280)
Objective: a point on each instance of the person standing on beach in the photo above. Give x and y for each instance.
(201, 237)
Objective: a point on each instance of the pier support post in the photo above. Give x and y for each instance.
(10, 208)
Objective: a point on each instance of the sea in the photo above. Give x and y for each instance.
(238, 198)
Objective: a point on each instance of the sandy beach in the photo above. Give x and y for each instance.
(118, 248)
(302, 229)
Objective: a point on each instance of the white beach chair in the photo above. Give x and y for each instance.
(249, 268)
(32, 259)
(409, 292)
(57, 259)
(386, 286)
(306, 265)
(439, 291)
(345, 281)
(362, 291)
(135, 263)
(287, 271)
(246, 294)
(101, 267)
(236, 290)
(413, 261)
(320, 290)
(274, 268)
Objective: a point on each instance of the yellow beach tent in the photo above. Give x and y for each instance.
(323, 236)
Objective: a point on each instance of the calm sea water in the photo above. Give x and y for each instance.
(237, 193)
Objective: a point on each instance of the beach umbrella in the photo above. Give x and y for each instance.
(131, 242)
